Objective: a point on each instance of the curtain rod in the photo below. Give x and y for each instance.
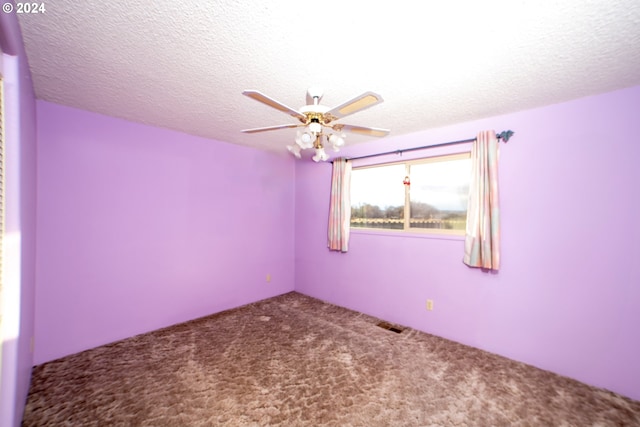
(504, 136)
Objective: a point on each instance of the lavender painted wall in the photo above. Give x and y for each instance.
(20, 223)
(567, 297)
(141, 228)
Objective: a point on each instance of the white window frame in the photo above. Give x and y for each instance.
(407, 229)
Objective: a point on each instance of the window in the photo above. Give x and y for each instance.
(435, 201)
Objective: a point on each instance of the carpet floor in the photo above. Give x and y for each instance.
(296, 361)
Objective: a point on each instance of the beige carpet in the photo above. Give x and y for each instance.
(296, 361)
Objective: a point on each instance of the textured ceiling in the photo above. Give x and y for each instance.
(183, 64)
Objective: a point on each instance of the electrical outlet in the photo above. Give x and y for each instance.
(429, 304)
(268, 278)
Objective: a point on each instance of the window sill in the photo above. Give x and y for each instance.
(410, 234)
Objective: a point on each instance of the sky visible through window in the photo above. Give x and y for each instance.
(444, 185)
(380, 186)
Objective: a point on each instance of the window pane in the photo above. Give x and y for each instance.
(377, 197)
(438, 193)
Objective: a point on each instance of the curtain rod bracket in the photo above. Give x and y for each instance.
(505, 135)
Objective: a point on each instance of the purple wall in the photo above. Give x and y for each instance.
(20, 223)
(567, 297)
(141, 228)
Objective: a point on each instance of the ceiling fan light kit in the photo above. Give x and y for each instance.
(316, 122)
(295, 150)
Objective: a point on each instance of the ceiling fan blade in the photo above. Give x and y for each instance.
(260, 97)
(366, 100)
(362, 130)
(266, 128)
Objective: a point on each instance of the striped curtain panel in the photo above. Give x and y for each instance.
(482, 241)
(340, 206)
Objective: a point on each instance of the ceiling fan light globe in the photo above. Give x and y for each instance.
(295, 150)
(314, 127)
(304, 140)
(336, 140)
(320, 155)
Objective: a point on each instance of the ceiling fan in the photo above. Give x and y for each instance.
(317, 121)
